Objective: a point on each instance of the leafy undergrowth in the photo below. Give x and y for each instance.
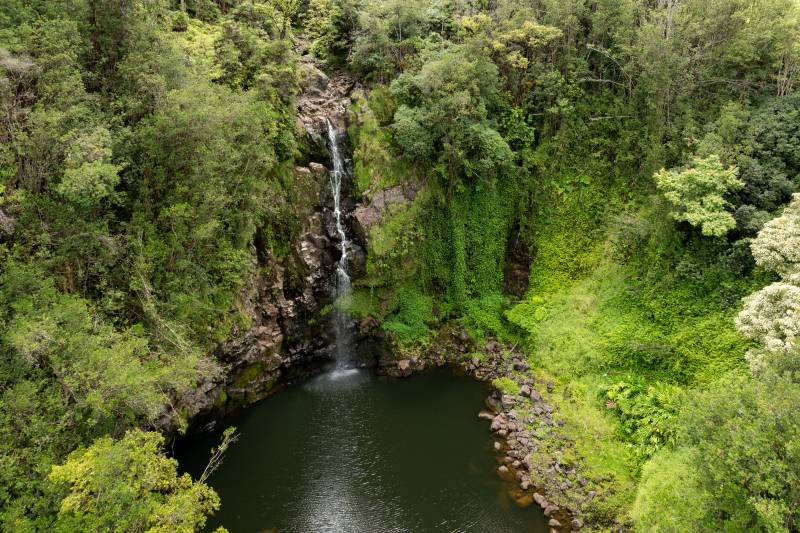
(624, 336)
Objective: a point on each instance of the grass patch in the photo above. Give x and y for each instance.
(506, 385)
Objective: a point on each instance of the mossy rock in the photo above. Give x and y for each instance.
(221, 400)
(248, 375)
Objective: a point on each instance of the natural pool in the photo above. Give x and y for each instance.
(350, 452)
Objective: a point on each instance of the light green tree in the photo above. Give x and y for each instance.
(697, 193)
(130, 485)
(111, 373)
(89, 176)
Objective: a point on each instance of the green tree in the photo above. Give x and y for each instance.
(669, 497)
(130, 485)
(443, 117)
(698, 194)
(89, 176)
(113, 374)
(748, 452)
(331, 25)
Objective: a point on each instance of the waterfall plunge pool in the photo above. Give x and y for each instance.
(351, 452)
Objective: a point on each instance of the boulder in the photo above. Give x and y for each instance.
(525, 391)
(540, 500)
(507, 401)
(498, 423)
(7, 224)
(312, 80)
(554, 523)
(356, 261)
(527, 462)
(551, 509)
(367, 215)
(485, 415)
(404, 367)
(576, 524)
(318, 170)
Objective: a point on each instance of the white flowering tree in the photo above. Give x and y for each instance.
(777, 246)
(771, 316)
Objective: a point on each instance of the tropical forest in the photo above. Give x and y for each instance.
(382, 266)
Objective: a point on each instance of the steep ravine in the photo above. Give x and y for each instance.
(292, 332)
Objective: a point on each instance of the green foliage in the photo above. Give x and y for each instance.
(200, 221)
(111, 374)
(747, 452)
(89, 176)
(464, 245)
(392, 244)
(506, 385)
(484, 316)
(413, 314)
(376, 165)
(443, 117)
(698, 192)
(129, 485)
(670, 497)
(180, 21)
(252, 52)
(647, 414)
(138, 167)
(331, 24)
(390, 32)
(527, 314)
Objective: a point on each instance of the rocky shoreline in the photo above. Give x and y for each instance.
(523, 421)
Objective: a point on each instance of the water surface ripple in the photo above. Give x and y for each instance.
(349, 452)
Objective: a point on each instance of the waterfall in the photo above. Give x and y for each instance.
(343, 335)
(336, 175)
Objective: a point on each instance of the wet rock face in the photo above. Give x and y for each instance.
(282, 307)
(323, 98)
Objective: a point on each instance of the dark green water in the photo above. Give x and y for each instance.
(350, 452)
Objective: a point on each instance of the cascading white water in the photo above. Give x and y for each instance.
(336, 175)
(343, 340)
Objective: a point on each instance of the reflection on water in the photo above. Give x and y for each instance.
(350, 452)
